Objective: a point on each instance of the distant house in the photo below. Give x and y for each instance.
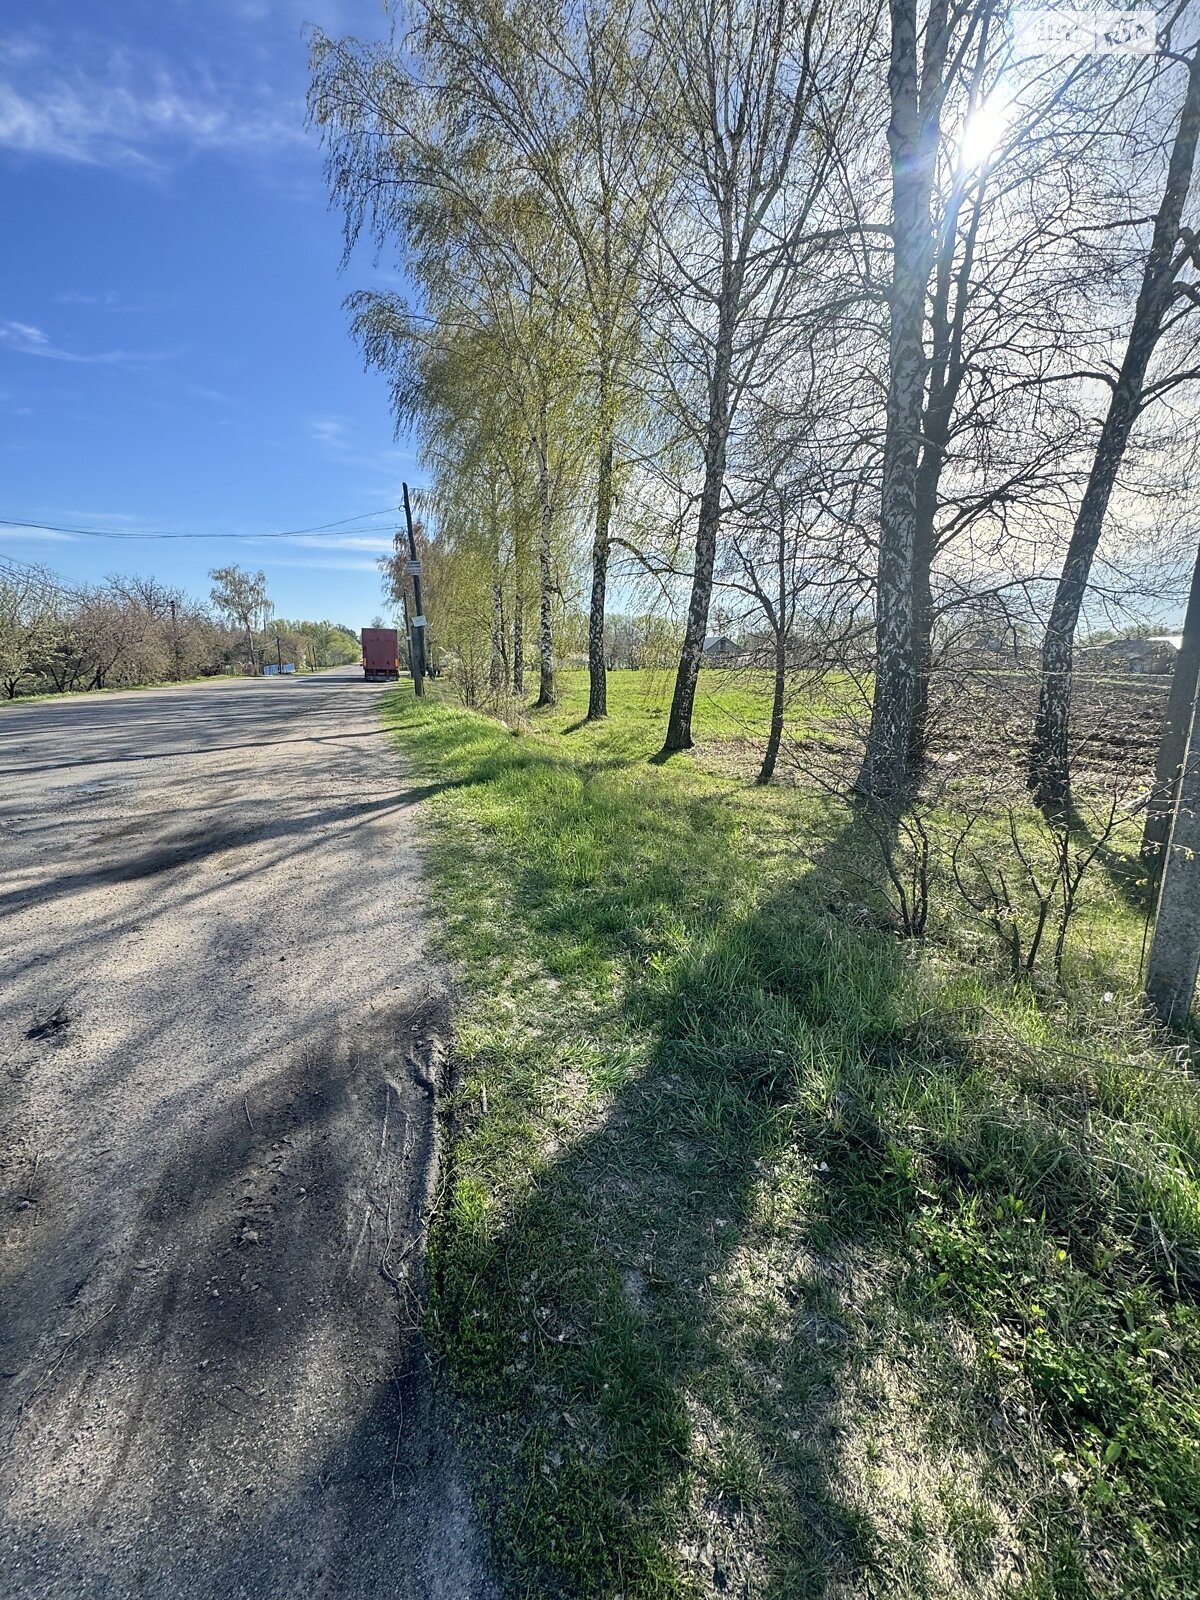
(995, 644)
(720, 651)
(1155, 654)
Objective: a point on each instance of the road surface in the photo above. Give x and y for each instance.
(219, 1058)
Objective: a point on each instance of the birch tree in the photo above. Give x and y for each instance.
(242, 597)
(757, 98)
(1010, 298)
(568, 111)
(917, 85)
(439, 190)
(998, 178)
(1166, 292)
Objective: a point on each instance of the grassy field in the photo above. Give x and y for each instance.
(782, 1256)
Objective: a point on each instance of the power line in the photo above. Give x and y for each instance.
(158, 533)
(36, 577)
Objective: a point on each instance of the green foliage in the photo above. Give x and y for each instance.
(130, 633)
(319, 644)
(779, 1255)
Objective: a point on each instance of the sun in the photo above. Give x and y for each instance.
(984, 131)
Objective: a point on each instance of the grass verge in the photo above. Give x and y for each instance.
(781, 1257)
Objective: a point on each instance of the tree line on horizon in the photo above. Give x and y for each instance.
(58, 638)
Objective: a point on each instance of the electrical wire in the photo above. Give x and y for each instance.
(158, 533)
(45, 583)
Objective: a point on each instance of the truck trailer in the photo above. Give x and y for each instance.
(380, 654)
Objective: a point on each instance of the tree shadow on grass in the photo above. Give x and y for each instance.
(700, 1226)
(1134, 882)
(585, 1323)
(672, 1414)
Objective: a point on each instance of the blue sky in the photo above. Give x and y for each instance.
(173, 351)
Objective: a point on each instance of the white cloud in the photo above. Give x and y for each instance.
(23, 332)
(349, 542)
(22, 338)
(130, 111)
(41, 535)
(327, 566)
(122, 521)
(330, 431)
(201, 391)
(342, 444)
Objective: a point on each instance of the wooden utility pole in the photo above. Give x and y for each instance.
(1175, 947)
(412, 649)
(420, 671)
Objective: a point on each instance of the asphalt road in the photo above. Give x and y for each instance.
(220, 1052)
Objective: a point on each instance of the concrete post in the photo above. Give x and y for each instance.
(1175, 948)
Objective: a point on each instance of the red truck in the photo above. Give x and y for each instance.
(381, 654)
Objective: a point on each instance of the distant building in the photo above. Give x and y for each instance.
(720, 651)
(1155, 654)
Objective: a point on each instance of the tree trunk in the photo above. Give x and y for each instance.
(912, 131)
(1175, 947)
(518, 655)
(1049, 760)
(546, 691)
(496, 673)
(918, 734)
(947, 369)
(1049, 775)
(1173, 746)
(771, 754)
(679, 724)
(506, 661)
(597, 678)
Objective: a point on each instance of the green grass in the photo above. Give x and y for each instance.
(780, 1256)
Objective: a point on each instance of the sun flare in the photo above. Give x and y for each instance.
(984, 132)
